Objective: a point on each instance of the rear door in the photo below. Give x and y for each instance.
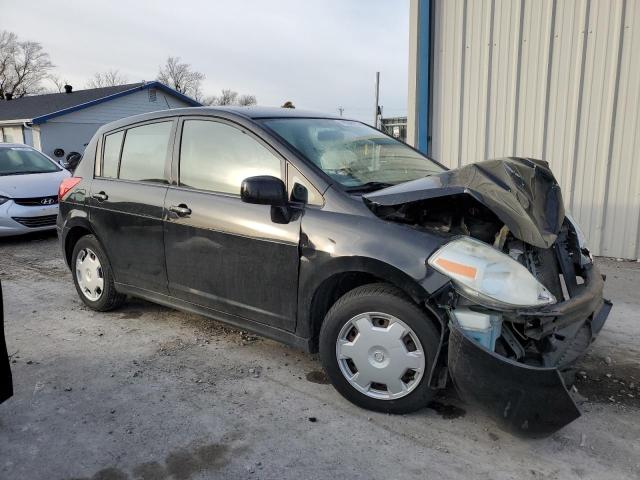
(220, 252)
(127, 202)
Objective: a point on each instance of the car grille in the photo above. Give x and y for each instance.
(36, 201)
(35, 222)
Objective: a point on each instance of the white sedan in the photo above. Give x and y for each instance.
(29, 182)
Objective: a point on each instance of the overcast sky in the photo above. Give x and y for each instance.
(320, 54)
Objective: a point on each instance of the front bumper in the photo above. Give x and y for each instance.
(531, 400)
(34, 218)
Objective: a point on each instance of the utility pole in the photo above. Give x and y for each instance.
(340, 109)
(377, 94)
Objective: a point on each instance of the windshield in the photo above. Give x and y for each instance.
(356, 155)
(23, 160)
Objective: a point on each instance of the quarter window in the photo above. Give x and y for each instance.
(218, 157)
(295, 179)
(145, 152)
(111, 156)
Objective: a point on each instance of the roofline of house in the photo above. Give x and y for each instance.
(17, 121)
(155, 84)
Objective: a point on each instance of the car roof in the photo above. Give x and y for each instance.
(247, 113)
(272, 112)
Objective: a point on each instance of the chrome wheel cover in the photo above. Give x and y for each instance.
(380, 356)
(89, 274)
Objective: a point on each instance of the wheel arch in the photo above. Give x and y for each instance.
(75, 229)
(335, 279)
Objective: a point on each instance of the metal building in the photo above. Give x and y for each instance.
(551, 79)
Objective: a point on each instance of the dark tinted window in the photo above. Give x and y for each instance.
(145, 151)
(112, 144)
(218, 157)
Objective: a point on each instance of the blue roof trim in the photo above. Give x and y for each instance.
(155, 84)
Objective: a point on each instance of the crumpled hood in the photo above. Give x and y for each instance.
(522, 192)
(33, 185)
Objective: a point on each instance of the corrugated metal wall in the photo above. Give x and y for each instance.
(557, 80)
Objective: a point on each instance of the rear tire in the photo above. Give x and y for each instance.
(92, 275)
(368, 339)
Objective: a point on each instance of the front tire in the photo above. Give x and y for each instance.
(377, 348)
(92, 275)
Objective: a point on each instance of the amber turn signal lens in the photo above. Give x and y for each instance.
(457, 268)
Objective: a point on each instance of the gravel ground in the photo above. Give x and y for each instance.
(146, 392)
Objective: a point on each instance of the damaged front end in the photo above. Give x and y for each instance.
(524, 299)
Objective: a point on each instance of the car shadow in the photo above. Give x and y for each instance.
(28, 237)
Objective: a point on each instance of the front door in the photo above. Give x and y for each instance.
(220, 252)
(127, 203)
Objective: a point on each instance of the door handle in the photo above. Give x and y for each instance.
(101, 196)
(181, 210)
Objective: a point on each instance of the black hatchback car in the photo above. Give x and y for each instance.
(331, 236)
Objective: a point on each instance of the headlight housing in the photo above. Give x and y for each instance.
(3, 200)
(483, 274)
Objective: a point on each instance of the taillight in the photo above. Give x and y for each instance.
(66, 185)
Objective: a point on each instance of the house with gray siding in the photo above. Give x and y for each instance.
(60, 123)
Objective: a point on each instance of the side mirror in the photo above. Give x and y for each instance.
(264, 190)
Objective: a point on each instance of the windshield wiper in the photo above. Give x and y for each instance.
(369, 187)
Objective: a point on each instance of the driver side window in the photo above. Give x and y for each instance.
(217, 157)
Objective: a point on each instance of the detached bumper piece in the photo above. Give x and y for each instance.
(526, 400)
(529, 401)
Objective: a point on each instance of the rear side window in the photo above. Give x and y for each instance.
(218, 157)
(111, 156)
(144, 152)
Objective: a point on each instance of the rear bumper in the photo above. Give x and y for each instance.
(530, 400)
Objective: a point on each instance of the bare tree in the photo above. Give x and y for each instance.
(23, 66)
(247, 100)
(231, 97)
(181, 77)
(110, 78)
(227, 97)
(58, 82)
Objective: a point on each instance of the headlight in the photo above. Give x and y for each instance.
(3, 200)
(490, 277)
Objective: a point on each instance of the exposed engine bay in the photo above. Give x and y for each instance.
(524, 299)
